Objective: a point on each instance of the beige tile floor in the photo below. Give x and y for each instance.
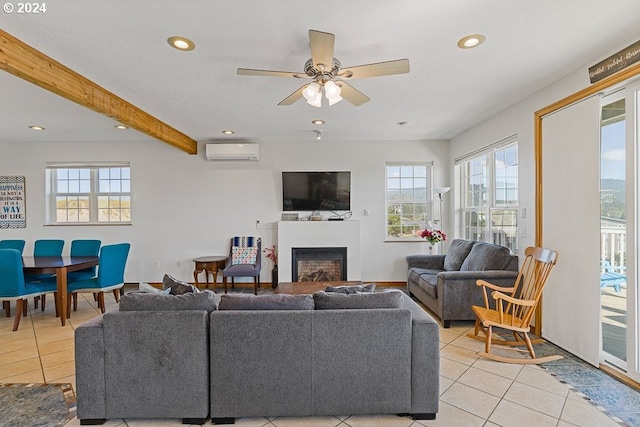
(473, 391)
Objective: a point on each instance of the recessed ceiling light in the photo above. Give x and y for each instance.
(471, 41)
(318, 122)
(121, 127)
(181, 43)
(228, 132)
(36, 127)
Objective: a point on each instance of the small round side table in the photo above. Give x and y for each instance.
(209, 264)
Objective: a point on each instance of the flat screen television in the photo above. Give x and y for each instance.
(309, 191)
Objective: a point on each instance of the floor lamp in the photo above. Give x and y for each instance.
(440, 191)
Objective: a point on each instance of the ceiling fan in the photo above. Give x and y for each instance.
(327, 73)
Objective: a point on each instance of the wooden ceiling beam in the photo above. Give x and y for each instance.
(22, 60)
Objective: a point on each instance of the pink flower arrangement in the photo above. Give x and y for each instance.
(271, 254)
(433, 236)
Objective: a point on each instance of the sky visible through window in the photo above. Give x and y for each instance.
(613, 151)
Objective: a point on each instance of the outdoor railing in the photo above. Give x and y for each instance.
(613, 246)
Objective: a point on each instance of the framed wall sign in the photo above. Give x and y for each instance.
(13, 212)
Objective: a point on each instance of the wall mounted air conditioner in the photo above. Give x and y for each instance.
(233, 151)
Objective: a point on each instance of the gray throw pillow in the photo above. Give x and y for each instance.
(146, 301)
(352, 289)
(266, 302)
(178, 287)
(338, 301)
(456, 254)
(486, 256)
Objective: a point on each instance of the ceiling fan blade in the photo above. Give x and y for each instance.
(293, 97)
(269, 73)
(399, 66)
(321, 49)
(351, 94)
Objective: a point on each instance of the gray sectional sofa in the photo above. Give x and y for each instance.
(248, 356)
(446, 284)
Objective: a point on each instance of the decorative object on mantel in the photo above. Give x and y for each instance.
(340, 216)
(272, 255)
(290, 216)
(12, 202)
(315, 216)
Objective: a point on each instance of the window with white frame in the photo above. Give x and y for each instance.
(488, 182)
(408, 198)
(89, 193)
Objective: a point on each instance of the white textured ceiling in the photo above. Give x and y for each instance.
(121, 45)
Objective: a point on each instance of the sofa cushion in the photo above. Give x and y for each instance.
(266, 302)
(146, 301)
(428, 282)
(352, 289)
(486, 256)
(456, 254)
(178, 287)
(339, 301)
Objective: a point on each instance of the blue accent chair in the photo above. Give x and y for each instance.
(243, 270)
(13, 288)
(13, 244)
(112, 261)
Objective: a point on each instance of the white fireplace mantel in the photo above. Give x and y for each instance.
(319, 234)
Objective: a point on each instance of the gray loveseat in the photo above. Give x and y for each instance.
(266, 355)
(446, 284)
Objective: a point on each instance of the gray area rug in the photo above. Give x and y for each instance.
(36, 405)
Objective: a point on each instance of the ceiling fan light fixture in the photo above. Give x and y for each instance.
(316, 100)
(311, 91)
(335, 100)
(331, 90)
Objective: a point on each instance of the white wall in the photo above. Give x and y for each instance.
(185, 206)
(516, 120)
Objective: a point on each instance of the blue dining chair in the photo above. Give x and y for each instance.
(12, 244)
(112, 261)
(44, 247)
(82, 247)
(13, 288)
(48, 247)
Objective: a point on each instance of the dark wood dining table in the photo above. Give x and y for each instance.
(59, 266)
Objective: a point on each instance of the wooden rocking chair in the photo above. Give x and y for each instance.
(514, 308)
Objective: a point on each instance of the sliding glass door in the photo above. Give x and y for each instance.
(613, 230)
(619, 215)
